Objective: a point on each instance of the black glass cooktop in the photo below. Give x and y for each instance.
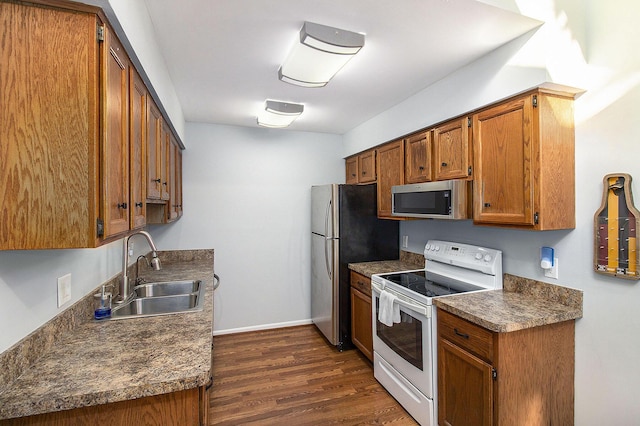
(416, 281)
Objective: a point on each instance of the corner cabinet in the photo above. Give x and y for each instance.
(74, 134)
(524, 162)
(361, 325)
(488, 378)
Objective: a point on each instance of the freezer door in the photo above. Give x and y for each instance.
(323, 210)
(324, 288)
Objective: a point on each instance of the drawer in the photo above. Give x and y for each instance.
(361, 283)
(466, 335)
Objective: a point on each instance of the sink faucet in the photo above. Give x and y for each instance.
(126, 290)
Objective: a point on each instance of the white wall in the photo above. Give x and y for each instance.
(247, 195)
(591, 45)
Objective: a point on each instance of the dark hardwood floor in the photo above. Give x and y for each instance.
(292, 376)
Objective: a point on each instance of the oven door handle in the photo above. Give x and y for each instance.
(424, 310)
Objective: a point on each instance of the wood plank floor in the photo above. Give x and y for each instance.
(292, 376)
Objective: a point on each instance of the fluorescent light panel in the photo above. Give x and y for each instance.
(320, 54)
(277, 114)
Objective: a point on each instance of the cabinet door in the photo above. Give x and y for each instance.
(173, 204)
(178, 182)
(418, 158)
(367, 167)
(49, 121)
(451, 150)
(137, 129)
(165, 162)
(351, 166)
(390, 164)
(465, 387)
(154, 137)
(361, 327)
(503, 146)
(115, 142)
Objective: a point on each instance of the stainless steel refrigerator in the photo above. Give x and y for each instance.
(344, 229)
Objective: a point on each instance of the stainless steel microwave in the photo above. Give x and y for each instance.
(447, 199)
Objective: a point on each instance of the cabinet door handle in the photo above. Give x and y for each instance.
(444, 164)
(139, 204)
(353, 175)
(463, 335)
(156, 180)
(122, 206)
(421, 167)
(164, 183)
(487, 204)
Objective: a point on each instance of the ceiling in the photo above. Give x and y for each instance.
(223, 56)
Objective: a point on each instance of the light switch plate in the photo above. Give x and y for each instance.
(64, 289)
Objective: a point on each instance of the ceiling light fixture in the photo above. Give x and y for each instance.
(320, 54)
(278, 114)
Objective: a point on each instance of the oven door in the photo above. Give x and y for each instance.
(406, 346)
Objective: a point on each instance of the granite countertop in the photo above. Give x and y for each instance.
(523, 303)
(407, 261)
(107, 361)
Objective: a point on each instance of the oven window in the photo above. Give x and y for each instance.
(404, 338)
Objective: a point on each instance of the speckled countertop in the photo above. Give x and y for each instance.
(523, 303)
(406, 262)
(101, 362)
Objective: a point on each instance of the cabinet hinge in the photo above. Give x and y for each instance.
(494, 374)
(468, 121)
(535, 218)
(100, 227)
(469, 171)
(100, 32)
(535, 101)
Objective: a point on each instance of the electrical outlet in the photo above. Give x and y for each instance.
(553, 271)
(64, 289)
(405, 241)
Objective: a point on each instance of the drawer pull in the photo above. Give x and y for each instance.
(463, 335)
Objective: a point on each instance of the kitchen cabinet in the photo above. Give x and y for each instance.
(137, 133)
(155, 124)
(188, 407)
(115, 137)
(524, 162)
(174, 205)
(518, 377)
(361, 316)
(361, 168)
(49, 137)
(418, 157)
(452, 156)
(390, 166)
(72, 150)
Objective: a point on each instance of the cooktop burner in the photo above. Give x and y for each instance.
(416, 281)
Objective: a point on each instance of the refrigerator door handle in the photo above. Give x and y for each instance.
(327, 239)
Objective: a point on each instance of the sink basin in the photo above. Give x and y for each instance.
(169, 288)
(162, 298)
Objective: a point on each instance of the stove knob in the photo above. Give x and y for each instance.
(478, 256)
(437, 248)
(428, 247)
(487, 258)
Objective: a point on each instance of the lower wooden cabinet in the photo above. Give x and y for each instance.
(187, 407)
(515, 378)
(361, 327)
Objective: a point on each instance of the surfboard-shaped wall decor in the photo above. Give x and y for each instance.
(616, 226)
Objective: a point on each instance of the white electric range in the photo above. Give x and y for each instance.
(405, 353)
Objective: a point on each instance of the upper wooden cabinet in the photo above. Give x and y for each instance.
(137, 134)
(390, 165)
(452, 156)
(72, 139)
(418, 158)
(361, 168)
(524, 162)
(115, 137)
(154, 150)
(49, 137)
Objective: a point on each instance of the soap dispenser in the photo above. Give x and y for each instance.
(103, 304)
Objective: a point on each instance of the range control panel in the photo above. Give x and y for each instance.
(485, 260)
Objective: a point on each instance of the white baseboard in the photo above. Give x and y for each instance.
(261, 327)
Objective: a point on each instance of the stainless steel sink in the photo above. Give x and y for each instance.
(162, 298)
(169, 288)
